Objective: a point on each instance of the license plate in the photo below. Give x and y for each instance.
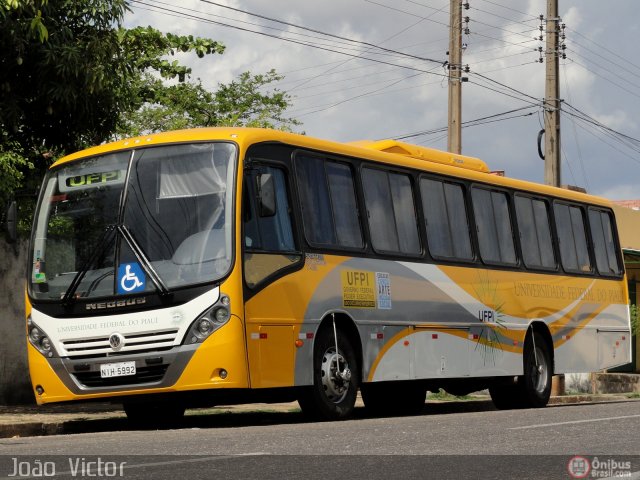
(120, 369)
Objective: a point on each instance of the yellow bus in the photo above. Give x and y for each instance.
(211, 266)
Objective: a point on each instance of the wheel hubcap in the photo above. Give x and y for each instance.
(335, 374)
(540, 374)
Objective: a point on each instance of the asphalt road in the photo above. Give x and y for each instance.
(440, 443)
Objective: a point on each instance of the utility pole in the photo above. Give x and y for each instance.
(454, 129)
(552, 98)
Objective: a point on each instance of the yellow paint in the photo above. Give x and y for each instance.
(272, 355)
(223, 349)
(42, 374)
(282, 304)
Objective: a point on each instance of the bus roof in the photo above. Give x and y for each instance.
(390, 152)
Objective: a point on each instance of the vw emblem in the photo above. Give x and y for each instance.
(116, 341)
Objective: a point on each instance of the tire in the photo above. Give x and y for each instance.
(394, 398)
(331, 397)
(155, 414)
(535, 384)
(533, 388)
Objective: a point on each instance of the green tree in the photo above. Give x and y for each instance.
(242, 102)
(71, 77)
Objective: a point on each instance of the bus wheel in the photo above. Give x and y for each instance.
(394, 398)
(154, 414)
(535, 384)
(335, 379)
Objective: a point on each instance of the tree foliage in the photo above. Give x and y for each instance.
(242, 102)
(71, 76)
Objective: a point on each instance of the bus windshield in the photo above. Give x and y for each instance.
(124, 222)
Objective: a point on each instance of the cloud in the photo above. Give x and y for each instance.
(341, 94)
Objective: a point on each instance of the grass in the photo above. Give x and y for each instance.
(442, 395)
(633, 395)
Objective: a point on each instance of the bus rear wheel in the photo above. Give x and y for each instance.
(535, 384)
(533, 388)
(335, 379)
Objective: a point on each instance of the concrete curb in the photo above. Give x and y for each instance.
(81, 421)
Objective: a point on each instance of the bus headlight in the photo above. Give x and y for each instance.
(204, 326)
(222, 315)
(209, 321)
(39, 339)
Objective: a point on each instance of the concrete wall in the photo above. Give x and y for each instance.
(15, 386)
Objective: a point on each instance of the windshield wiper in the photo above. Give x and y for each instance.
(143, 260)
(105, 240)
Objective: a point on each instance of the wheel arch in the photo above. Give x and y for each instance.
(542, 329)
(346, 325)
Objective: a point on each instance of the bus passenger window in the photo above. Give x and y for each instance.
(446, 216)
(391, 211)
(574, 253)
(493, 224)
(535, 234)
(329, 208)
(604, 242)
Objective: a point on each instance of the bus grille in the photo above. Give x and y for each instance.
(149, 374)
(133, 343)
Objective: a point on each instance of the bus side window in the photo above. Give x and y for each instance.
(495, 236)
(604, 242)
(446, 218)
(391, 212)
(574, 252)
(535, 233)
(268, 240)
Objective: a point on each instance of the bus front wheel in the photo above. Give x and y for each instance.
(335, 378)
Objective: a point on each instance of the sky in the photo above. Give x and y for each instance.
(373, 69)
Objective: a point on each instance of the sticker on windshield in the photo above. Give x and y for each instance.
(38, 275)
(83, 181)
(131, 278)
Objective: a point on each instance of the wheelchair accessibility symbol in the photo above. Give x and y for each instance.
(131, 278)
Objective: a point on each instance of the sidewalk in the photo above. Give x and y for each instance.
(31, 420)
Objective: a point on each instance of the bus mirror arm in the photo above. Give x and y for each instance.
(266, 195)
(11, 221)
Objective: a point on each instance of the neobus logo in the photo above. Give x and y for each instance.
(116, 303)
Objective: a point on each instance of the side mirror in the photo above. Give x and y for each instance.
(266, 195)
(11, 222)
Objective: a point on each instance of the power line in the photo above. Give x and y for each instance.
(575, 133)
(635, 94)
(384, 41)
(298, 42)
(331, 35)
(468, 123)
(625, 60)
(509, 8)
